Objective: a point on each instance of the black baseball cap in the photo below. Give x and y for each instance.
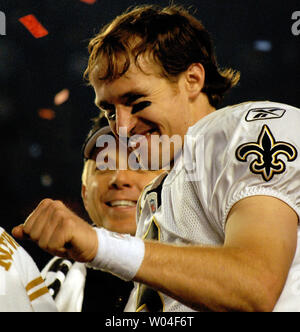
(100, 128)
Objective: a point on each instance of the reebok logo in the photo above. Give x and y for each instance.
(264, 114)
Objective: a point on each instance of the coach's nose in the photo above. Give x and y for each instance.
(120, 180)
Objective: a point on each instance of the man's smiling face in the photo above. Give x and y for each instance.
(110, 196)
(145, 103)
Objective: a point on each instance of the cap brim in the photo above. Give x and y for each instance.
(91, 141)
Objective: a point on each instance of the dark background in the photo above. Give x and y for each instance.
(42, 158)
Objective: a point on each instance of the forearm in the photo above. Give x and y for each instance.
(220, 279)
(247, 273)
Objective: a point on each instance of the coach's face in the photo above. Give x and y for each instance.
(148, 104)
(110, 196)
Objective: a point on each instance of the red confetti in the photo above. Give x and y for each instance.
(33, 26)
(46, 114)
(89, 2)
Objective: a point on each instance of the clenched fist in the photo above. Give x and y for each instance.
(59, 231)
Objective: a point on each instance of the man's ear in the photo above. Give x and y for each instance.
(194, 80)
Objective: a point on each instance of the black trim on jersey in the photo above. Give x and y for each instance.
(147, 298)
(158, 191)
(58, 266)
(267, 150)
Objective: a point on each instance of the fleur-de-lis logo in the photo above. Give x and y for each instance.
(267, 151)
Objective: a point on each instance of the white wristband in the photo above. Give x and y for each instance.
(119, 254)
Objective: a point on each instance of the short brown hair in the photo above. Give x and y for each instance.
(172, 36)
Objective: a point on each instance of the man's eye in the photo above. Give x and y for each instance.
(109, 110)
(140, 106)
(111, 115)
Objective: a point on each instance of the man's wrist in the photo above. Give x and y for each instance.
(119, 254)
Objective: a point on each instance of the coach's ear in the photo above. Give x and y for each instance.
(194, 80)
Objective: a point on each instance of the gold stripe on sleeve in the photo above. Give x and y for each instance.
(34, 283)
(38, 293)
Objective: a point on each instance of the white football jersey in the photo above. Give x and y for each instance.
(236, 152)
(22, 288)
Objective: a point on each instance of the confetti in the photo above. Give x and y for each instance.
(89, 2)
(33, 26)
(46, 180)
(61, 97)
(46, 114)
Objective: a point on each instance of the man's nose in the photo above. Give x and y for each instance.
(125, 121)
(121, 179)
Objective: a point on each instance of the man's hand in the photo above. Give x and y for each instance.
(59, 231)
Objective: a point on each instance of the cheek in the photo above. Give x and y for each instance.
(172, 117)
(95, 189)
(93, 202)
(91, 197)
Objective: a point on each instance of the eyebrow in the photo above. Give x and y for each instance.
(131, 97)
(127, 98)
